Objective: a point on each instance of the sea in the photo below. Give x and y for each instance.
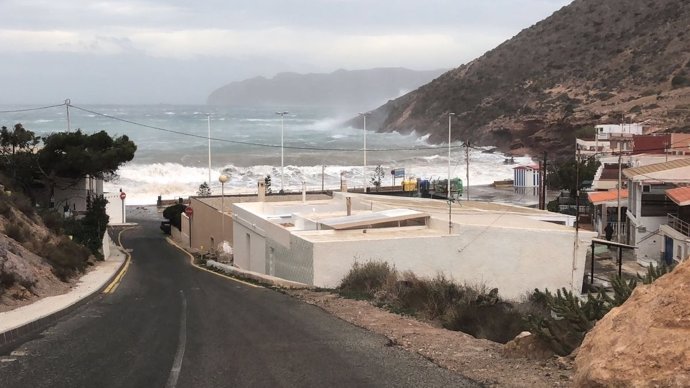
(319, 150)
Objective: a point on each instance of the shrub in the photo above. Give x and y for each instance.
(23, 204)
(66, 257)
(17, 231)
(498, 322)
(53, 221)
(174, 214)
(471, 309)
(364, 280)
(679, 81)
(89, 230)
(573, 317)
(5, 208)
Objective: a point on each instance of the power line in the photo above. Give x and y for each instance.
(32, 109)
(253, 143)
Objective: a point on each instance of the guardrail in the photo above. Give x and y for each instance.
(678, 224)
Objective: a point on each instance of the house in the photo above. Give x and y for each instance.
(211, 220)
(316, 242)
(526, 176)
(680, 144)
(605, 211)
(651, 144)
(616, 137)
(649, 205)
(675, 245)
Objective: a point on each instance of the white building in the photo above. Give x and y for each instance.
(512, 248)
(604, 131)
(526, 176)
(649, 206)
(676, 233)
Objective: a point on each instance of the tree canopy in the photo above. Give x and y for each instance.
(17, 140)
(563, 175)
(76, 154)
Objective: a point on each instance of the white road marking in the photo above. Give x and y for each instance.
(181, 343)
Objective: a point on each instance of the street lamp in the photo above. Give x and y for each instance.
(450, 116)
(282, 129)
(222, 179)
(364, 165)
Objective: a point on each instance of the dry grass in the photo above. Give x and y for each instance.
(472, 309)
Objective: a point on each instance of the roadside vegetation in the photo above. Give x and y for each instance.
(32, 169)
(472, 309)
(559, 320)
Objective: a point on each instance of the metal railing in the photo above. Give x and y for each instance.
(681, 226)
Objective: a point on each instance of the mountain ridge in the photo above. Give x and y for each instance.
(590, 62)
(358, 89)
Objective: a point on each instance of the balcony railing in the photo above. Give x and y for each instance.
(681, 226)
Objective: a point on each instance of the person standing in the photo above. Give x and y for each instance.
(608, 230)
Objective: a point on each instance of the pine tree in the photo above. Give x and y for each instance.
(204, 190)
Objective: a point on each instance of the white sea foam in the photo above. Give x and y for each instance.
(145, 182)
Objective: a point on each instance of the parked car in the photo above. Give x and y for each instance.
(165, 227)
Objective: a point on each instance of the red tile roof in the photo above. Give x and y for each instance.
(598, 197)
(680, 195)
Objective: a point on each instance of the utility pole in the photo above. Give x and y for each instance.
(450, 116)
(467, 159)
(543, 184)
(323, 172)
(69, 124)
(620, 181)
(577, 189)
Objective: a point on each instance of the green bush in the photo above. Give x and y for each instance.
(680, 81)
(498, 322)
(364, 280)
(66, 257)
(88, 231)
(570, 317)
(53, 221)
(174, 214)
(471, 309)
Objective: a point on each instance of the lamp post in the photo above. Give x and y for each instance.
(450, 116)
(282, 130)
(364, 165)
(222, 179)
(208, 121)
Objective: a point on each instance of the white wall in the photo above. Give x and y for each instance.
(647, 242)
(114, 208)
(681, 243)
(497, 257)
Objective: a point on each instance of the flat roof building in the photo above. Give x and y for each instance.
(316, 242)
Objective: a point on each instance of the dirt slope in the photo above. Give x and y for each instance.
(643, 343)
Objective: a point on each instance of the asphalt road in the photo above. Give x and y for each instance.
(169, 324)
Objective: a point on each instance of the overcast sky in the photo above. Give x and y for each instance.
(178, 51)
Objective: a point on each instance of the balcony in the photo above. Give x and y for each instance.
(679, 225)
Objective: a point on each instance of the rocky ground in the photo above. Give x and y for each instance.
(643, 343)
(25, 277)
(517, 364)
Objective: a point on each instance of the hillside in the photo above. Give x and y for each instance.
(358, 89)
(590, 62)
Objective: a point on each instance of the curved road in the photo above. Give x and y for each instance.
(169, 324)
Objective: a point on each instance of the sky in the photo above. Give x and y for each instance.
(179, 51)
